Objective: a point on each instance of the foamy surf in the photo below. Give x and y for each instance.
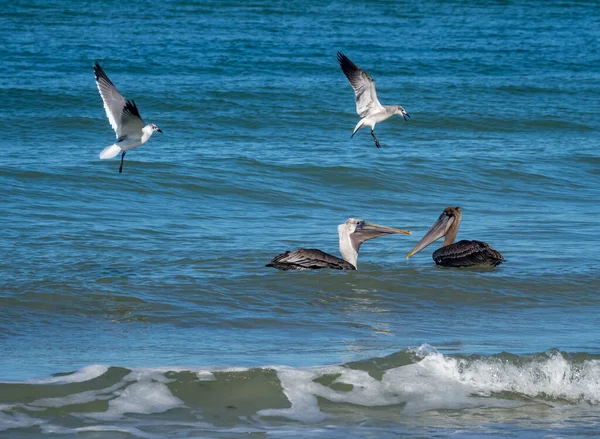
(410, 384)
(84, 374)
(438, 382)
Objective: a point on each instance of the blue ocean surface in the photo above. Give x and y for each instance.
(138, 305)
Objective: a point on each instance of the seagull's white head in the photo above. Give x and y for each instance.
(148, 130)
(402, 112)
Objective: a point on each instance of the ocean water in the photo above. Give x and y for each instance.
(138, 305)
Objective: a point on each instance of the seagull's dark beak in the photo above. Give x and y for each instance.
(159, 130)
(405, 115)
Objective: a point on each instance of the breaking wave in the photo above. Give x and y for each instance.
(408, 383)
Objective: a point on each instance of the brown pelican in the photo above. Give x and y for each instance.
(460, 254)
(368, 106)
(124, 119)
(352, 234)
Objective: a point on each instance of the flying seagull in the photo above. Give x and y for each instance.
(368, 106)
(124, 118)
(456, 254)
(353, 232)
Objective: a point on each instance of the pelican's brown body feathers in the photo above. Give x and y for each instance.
(309, 259)
(456, 254)
(467, 254)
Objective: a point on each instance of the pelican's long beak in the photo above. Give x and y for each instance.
(439, 229)
(370, 230)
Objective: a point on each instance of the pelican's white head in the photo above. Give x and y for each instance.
(355, 231)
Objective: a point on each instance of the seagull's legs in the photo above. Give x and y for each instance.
(122, 157)
(375, 139)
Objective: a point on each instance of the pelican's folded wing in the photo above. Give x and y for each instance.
(309, 259)
(468, 254)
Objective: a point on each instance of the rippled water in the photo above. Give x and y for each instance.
(138, 305)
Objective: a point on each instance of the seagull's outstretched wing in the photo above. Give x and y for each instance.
(363, 85)
(122, 114)
(309, 259)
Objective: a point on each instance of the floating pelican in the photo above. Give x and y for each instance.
(460, 254)
(352, 234)
(368, 106)
(124, 118)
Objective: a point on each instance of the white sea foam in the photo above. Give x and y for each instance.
(144, 397)
(84, 374)
(301, 391)
(433, 382)
(76, 398)
(17, 420)
(205, 375)
(133, 431)
(439, 382)
(552, 377)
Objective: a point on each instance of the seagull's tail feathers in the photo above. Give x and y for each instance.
(110, 151)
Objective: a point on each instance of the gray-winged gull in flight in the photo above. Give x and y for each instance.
(124, 118)
(368, 106)
(353, 232)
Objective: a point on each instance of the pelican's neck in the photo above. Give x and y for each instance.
(147, 132)
(349, 253)
(452, 232)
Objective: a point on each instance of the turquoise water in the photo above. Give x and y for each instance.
(138, 305)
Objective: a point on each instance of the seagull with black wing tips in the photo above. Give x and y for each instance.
(368, 106)
(124, 118)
